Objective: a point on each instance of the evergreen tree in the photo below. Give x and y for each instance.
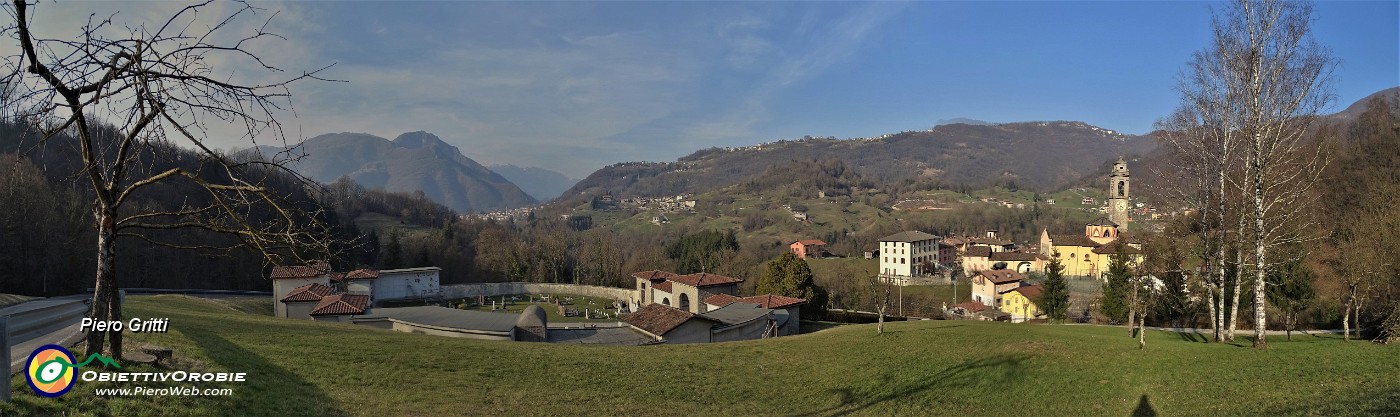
(788, 275)
(393, 253)
(1054, 299)
(1291, 291)
(1114, 303)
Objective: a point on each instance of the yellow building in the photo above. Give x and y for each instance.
(1020, 303)
(1088, 254)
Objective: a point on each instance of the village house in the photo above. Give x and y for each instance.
(904, 254)
(676, 308)
(989, 287)
(1020, 303)
(809, 248)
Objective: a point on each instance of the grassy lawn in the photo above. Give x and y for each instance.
(7, 300)
(916, 368)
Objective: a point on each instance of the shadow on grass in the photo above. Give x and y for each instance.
(270, 389)
(1144, 408)
(989, 371)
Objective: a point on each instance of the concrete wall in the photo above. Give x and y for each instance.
(408, 284)
(794, 324)
(406, 327)
(502, 288)
(298, 309)
(745, 331)
(692, 331)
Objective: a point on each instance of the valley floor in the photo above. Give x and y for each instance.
(915, 368)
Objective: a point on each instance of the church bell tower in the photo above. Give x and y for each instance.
(1118, 194)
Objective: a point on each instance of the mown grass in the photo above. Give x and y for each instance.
(915, 368)
(7, 300)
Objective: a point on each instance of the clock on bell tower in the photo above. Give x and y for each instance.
(1118, 194)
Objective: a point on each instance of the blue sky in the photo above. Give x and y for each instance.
(575, 86)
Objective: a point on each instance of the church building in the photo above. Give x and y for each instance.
(1088, 254)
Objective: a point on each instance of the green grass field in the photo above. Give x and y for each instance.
(916, 368)
(600, 306)
(7, 300)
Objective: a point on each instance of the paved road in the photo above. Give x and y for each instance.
(64, 334)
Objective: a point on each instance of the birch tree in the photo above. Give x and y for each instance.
(1249, 99)
(159, 86)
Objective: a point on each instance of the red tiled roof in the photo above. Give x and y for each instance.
(772, 301)
(810, 242)
(1002, 276)
(704, 280)
(336, 276)
(362, 274)
(658, 319)
(309, 292)
(1112, 248)
(978, 252)
(300, 271)
(652, 275)
(1102, 221)
(341, 304)
(664, 286)
(972, 306)
(1013, 256)
(720, 300)
(1031, 291)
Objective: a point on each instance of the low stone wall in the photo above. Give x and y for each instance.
(503, 288)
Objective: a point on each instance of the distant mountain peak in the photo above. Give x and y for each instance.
(964, 121)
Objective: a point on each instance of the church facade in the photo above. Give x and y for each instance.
(1088, 254)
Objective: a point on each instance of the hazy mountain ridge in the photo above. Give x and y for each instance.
(1034, 155)
(540, 183)
(411, 162)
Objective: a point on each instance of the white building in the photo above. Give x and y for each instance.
(407, 283)
(903, 254)
(286, 279)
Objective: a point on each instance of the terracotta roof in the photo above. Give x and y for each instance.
(720, 300)
(652, 275)
(664, 286)
(309, 292)
(658, 319)
(361, 274)
(300, 271)
(1102, 221)
(341, 304)
(1002, 276)
(1112, 248)
(704, 280)
(954, 241)
(1030, 291)
(972, 306)
(810, 242)
(1013, 256)
(772, 301)
(1073, 240)
(336, 276)
(908, 236)
(978, 252)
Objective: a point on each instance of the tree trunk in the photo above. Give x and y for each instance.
(1214, 319)
(105, 287)
(1346, 313)
(1235, 300)
(1261, 323)
(1132, 307)
(1142, 330)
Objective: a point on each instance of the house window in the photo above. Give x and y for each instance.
(666, 301)
(685, 302)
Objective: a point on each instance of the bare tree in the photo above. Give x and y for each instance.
(158, 86)
(1249, 100)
